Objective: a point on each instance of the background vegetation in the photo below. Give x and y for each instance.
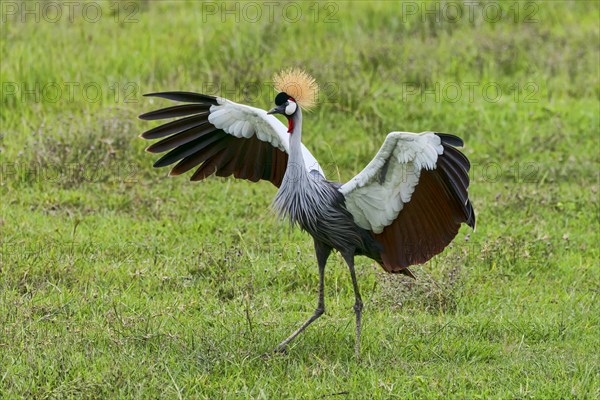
(119, 282)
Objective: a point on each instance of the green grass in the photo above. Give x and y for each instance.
(119, 282)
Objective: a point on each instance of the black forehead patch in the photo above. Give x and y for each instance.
(281, 98)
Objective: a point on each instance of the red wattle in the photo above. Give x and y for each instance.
(290, 125)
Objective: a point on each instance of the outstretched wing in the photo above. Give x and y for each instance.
(412, 196)
(222, 138)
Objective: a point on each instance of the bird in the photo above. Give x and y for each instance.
(402, 209)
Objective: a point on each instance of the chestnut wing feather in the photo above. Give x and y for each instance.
(248, 143)
(433, 197)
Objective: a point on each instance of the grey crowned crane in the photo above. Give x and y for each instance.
(403, 208)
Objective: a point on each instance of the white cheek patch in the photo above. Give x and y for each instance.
(290, 108)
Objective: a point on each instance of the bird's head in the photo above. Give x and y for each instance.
(285, 105)
(297, 90)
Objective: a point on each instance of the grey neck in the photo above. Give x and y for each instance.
(296, 160)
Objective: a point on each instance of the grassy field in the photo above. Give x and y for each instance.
(117, 281)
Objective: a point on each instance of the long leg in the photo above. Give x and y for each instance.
(323, 253)
(358, 304)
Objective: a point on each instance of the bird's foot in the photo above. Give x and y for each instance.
(280, 349)
(358, 306)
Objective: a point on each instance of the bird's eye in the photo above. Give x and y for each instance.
(290, 108)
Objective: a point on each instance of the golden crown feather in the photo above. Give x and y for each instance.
(299, 85)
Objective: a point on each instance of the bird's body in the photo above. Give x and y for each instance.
(316, 205)
(402, 209)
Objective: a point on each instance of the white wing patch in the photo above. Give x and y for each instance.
(378, 193)
(243, 121)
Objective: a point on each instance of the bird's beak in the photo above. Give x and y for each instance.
(277, 110)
